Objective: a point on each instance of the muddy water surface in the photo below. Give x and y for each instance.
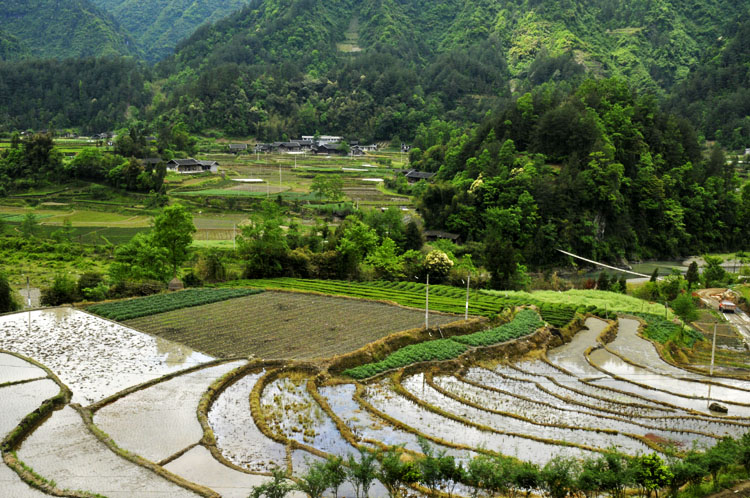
(63, 450)
(200, 467)
(12, 486)
(161, 420)
(19, 400)
(570, 356)
(14, 369)
(96, 358)
(237, 437)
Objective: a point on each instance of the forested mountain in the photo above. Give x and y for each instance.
(377, 69)
(59, 29)
(716, 94)
(158, 25)
(10, 47)
(91, 94)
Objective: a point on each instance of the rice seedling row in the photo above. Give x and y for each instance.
(562, 415)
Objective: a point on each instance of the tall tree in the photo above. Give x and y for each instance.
(173, 230)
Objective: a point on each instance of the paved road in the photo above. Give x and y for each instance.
(739, 318)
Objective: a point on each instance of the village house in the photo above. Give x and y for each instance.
(192, 166)
(237, 148)
(413, 176)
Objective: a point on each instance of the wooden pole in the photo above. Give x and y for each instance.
(427, 304)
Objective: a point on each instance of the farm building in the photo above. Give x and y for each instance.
(414, 176)
(192, 166)
(237, 148)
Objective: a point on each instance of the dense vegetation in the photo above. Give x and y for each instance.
(53, 29)
(377, 71)
(158, 25)
(524, 323)
(613, 474)
(595, 169)
(160, 303)
(91, 94)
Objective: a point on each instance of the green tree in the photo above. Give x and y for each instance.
(262, 243)
(29, 225)
(395, 473)
(654, 275)
(413, 236)
(386, 261)
(328, 187)
(714, 274)
(527, 477)
(438, 265)
(62, 291)
(173, 230)
(210, 267)
(7, 303)
(558, 477)
(315, 481)
(335, 473)
(684, 307)
(650, 473)
(602, 282)
(140, 259)
(279, 487)
(361, 472)
(692, 276)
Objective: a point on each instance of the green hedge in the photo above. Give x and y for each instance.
(160, 303)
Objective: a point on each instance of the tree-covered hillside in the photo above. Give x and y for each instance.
(90, 94)
(158, 25)
(54, 29)
(10, 47)
(596, 169)
(377, 69)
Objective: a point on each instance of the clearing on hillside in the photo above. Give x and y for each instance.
(283, 325)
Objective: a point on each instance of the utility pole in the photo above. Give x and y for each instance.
(427, 304)
(711, 370)
(466, 315)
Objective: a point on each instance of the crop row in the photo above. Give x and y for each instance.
(443, 298)
(524, 323)
(660, 330)
(160, 303)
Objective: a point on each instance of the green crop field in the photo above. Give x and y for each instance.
(160, 303)
(524, 323)
(283, 325)
(554, 309)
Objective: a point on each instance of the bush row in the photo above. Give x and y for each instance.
(525, 322)
(160, 303)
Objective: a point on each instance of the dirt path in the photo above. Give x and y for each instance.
(740, 490)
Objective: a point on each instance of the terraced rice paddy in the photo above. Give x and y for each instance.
(220, 427)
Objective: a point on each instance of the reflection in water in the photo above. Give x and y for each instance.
(176, 353)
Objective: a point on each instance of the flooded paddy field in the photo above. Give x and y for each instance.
(142, 423)
(64, 450)
(237, 437)
(576, 400)
(94, 357)
(14, 369)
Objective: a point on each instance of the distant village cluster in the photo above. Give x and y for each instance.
(323, 144)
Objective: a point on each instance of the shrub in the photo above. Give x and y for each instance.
(62, 291)
(7, 303)
(131, 288)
